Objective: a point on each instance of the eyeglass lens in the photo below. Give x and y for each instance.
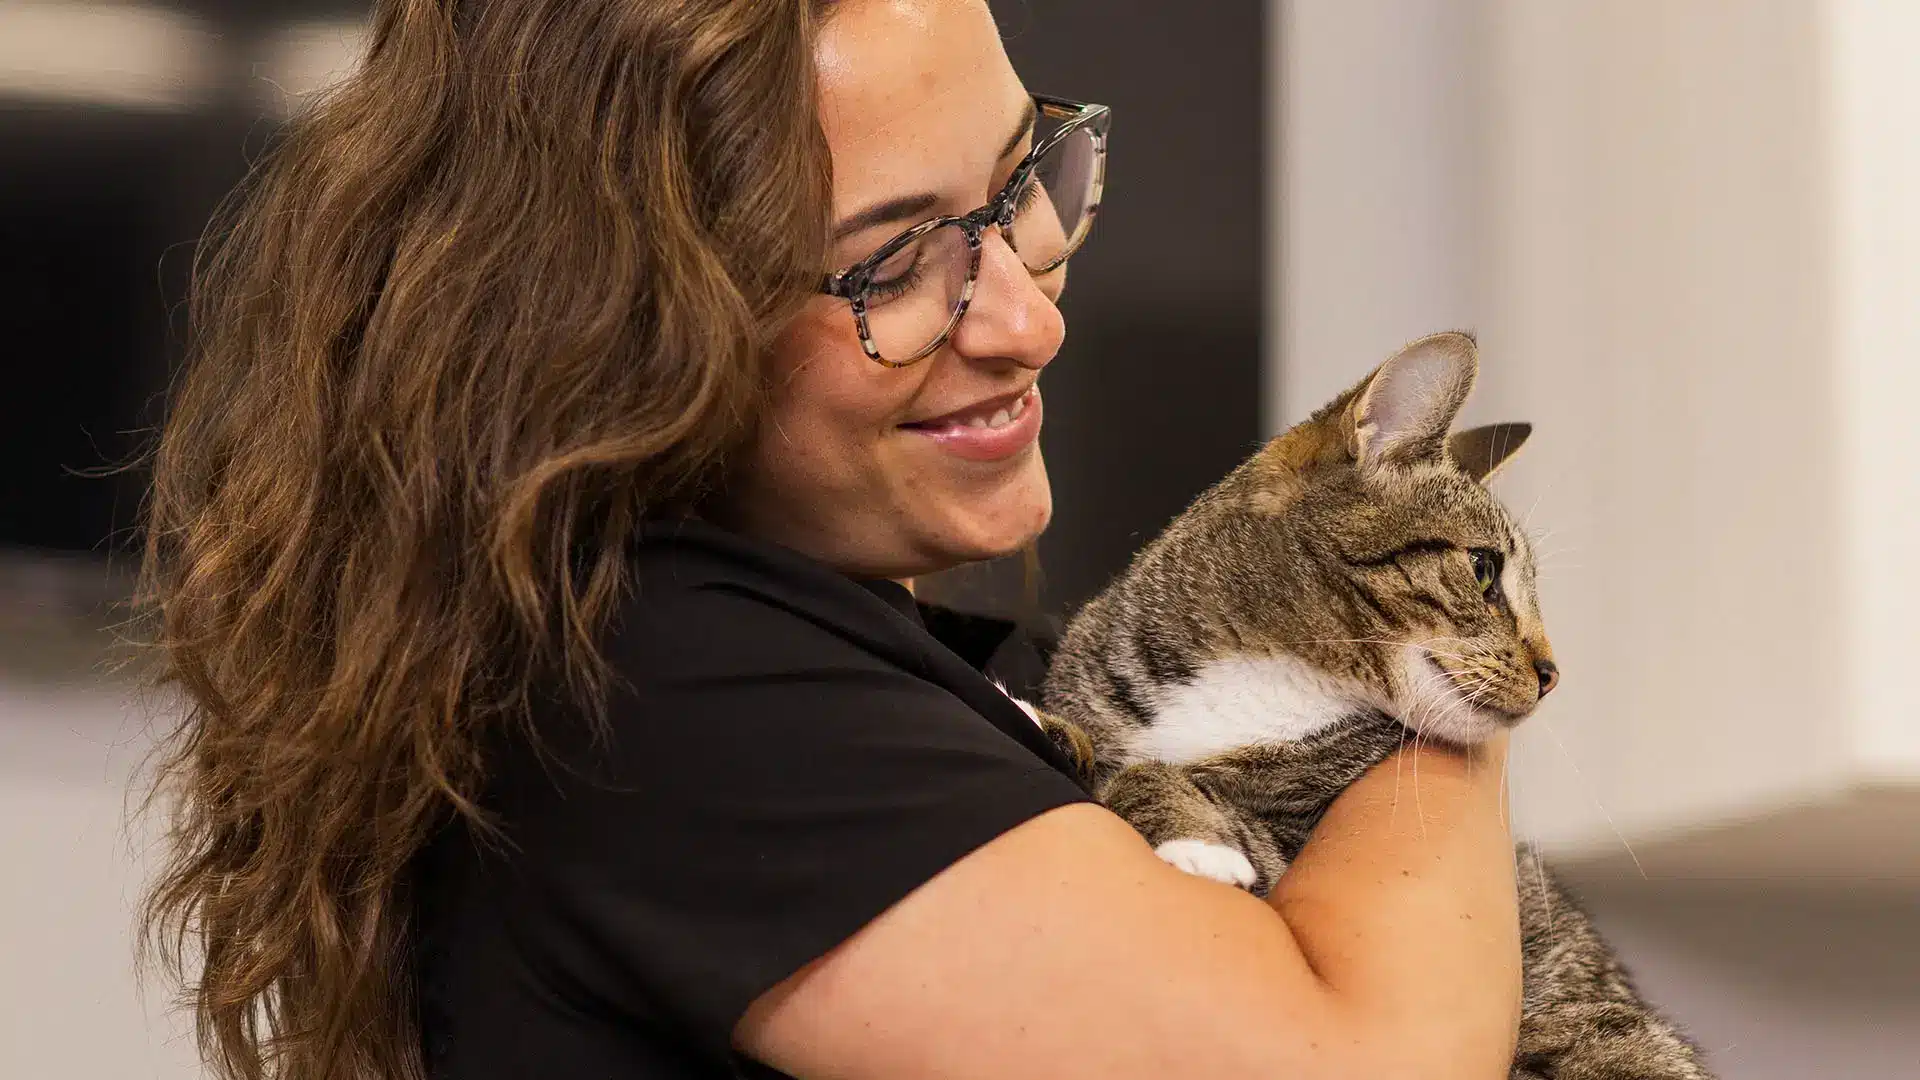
(913, 299)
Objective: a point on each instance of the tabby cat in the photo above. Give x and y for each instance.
(1350, 586)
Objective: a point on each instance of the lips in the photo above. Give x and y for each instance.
(987, 431)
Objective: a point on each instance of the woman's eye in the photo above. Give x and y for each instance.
(1028, 194)
(896, 277)
(1486, 570)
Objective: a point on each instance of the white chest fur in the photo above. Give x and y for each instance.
(1242, 700)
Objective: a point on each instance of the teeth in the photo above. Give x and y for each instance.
(1000, 418)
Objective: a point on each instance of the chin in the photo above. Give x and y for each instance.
(1001, 521)
(1433, 706)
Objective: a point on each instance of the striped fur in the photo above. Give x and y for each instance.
(1350, 586)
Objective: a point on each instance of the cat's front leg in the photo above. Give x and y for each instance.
(1189, 830)
(1281, 789)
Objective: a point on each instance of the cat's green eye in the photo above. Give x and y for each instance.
(1486, 570)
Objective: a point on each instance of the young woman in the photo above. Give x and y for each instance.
(574, 394)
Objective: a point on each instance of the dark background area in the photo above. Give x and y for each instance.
(1154, 396)
(1156, 393)
(89, 198)
(100, 208)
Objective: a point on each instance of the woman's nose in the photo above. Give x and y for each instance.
(1012, 315)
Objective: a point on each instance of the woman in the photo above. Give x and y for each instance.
(528, 540)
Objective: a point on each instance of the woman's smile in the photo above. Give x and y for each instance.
(992, 429)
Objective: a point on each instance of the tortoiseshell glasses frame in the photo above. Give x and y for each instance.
(853, 283)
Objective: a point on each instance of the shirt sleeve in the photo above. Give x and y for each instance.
(765, 787)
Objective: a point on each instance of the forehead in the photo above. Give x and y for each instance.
(1425, 504)
(915, 95)
(1447, 497)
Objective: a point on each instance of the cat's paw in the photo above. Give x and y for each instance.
(1202, 858)
(1026, 706)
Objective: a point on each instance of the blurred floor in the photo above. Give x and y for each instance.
(1777, 981)
(70, 739)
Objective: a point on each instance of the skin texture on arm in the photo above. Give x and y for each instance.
(1065, 948)
(1404, 905)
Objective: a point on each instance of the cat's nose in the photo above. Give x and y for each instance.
(1549, 675)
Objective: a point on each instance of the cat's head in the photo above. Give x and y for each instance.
(1410, 577)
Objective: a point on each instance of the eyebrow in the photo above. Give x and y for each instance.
(903, 207)
(1028, 117)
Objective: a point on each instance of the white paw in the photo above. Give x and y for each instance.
(1208, 860)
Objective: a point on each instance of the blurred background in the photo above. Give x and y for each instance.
(1687, 233)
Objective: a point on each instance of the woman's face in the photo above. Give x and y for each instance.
(878, 471)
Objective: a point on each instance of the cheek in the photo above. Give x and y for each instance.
(825, 384)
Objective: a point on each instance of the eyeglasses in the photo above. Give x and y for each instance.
(908, 296)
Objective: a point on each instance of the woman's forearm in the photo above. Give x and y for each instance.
(1403, 903)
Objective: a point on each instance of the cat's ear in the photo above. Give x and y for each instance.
(1481, 451)
(1402, 415)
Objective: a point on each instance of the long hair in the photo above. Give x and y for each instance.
(472, 317)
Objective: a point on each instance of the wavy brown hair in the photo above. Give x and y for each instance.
(473, 316)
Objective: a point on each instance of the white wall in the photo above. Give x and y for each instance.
(1661, 299)
(1377, 241)
(1874, 141)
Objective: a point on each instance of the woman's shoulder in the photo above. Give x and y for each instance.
(691, 578)
(713, 616)
(699, 588)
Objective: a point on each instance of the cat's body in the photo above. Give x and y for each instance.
(1349, 586)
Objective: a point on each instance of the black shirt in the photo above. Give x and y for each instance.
(789, 752)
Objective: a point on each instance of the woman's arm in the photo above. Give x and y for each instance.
(1065, 948)
(1403, 904)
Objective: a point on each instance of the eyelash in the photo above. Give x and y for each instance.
(880, 292)
(1028, 195)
